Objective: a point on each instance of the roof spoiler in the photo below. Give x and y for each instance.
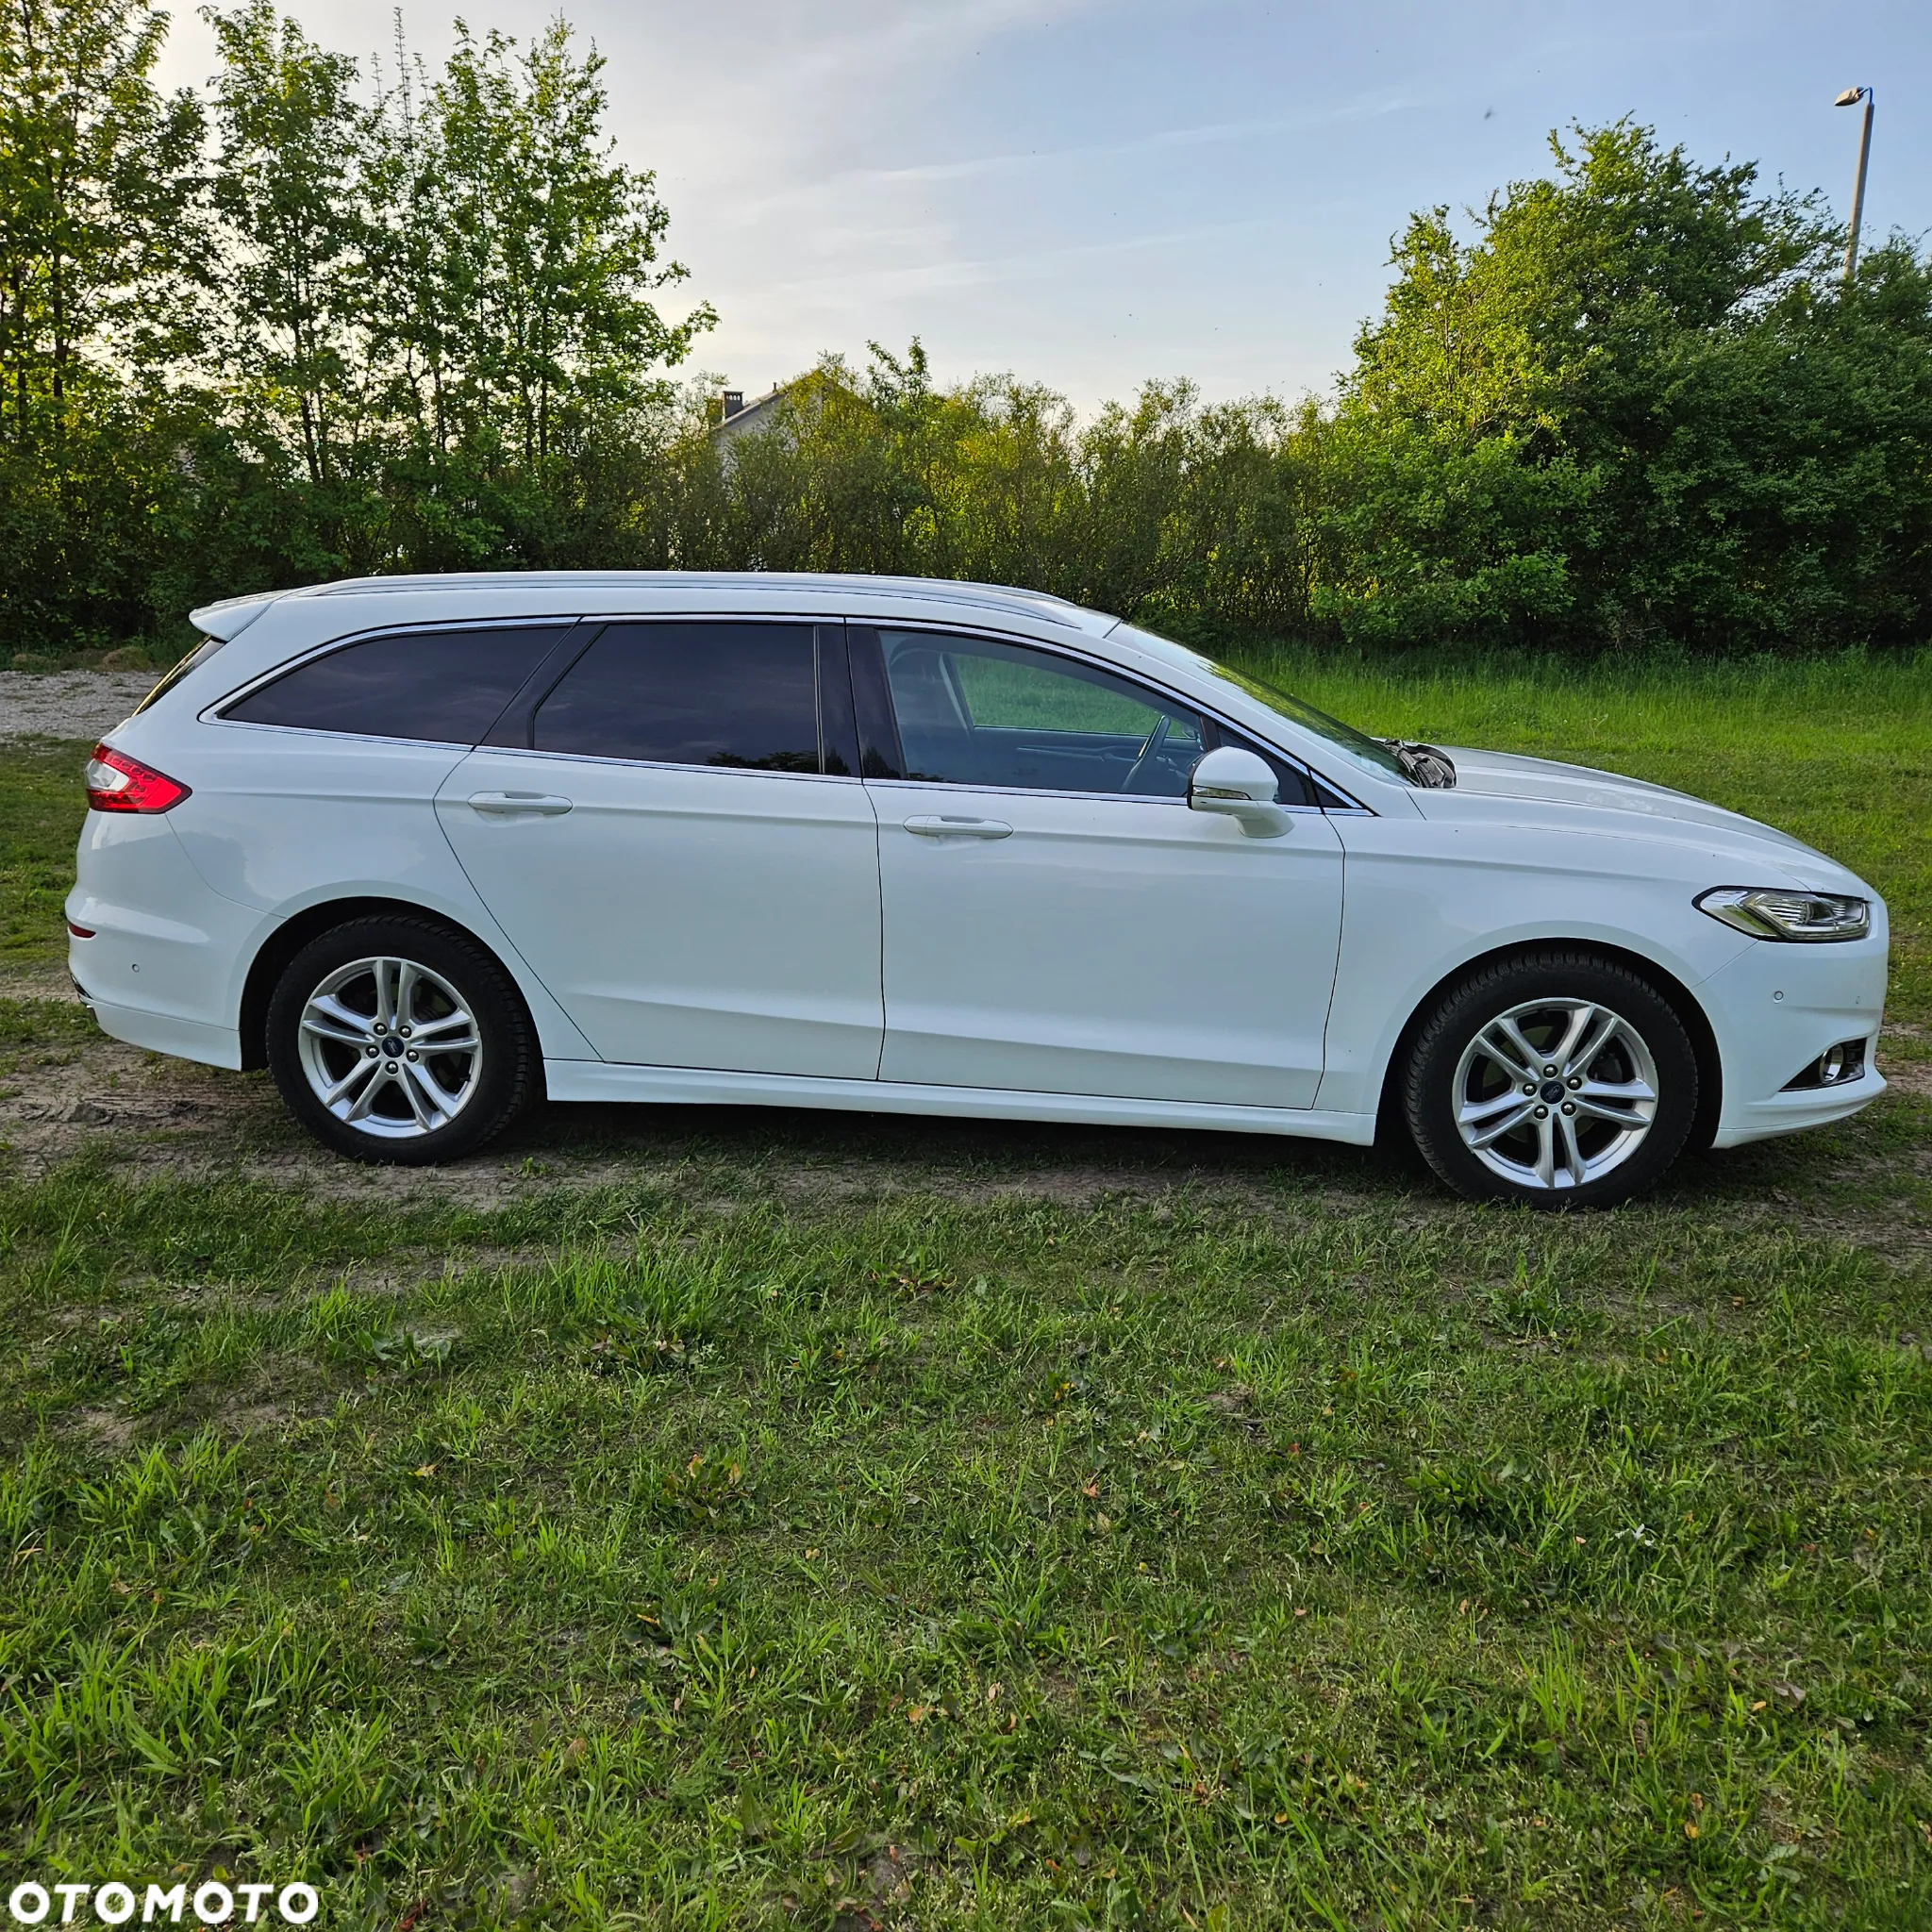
(229, 617)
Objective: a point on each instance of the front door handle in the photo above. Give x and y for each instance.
(958, 828)
(500, 805)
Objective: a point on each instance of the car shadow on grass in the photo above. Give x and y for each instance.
(66, 1091)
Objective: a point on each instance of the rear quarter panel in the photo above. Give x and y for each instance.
(281, 821)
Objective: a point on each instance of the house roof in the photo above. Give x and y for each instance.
(756, 414)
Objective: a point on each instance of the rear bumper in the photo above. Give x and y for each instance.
(162, 967)
(187, 1040)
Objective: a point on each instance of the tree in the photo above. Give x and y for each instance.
(98, 185)
(1602, 420)
(418, 327)
(518, 257)
(100, 253)
(288, 184)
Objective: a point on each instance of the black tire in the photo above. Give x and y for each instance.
(454, 980)
(1550, 1118)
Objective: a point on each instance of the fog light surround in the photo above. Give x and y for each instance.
(1837, 1066)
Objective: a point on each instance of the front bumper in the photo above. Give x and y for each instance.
(1774, 1009)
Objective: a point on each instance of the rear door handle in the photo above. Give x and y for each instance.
(501, 804)
(958, 828)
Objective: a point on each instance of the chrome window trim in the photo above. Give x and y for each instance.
(211, 713)
(455, 744)
(1040, 791)
(591, 757)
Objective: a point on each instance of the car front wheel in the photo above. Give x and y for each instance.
(395, 1039)
(1561, 1079)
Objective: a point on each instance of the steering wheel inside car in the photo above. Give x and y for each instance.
(1155, 738)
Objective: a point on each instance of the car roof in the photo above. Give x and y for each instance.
(641, 588)
(311, 616)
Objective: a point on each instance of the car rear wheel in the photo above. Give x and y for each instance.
(1562, 1079)
(395, 1039)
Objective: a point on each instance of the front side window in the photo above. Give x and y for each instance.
(973, 712)
(440, 686)
(741, 695)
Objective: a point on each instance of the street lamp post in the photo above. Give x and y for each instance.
(1850, 98)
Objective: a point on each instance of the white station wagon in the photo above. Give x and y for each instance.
(430, 848)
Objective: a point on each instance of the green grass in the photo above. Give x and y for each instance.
(42, 806)
(834, 1523)
(151, 654)
(1837, 751)
(1310, 1566)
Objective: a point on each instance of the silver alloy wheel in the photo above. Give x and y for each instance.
(390, 1048)
(1555, 1093)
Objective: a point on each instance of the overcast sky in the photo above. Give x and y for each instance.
(1091, 193)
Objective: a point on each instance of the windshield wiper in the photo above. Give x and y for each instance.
(1426, 765)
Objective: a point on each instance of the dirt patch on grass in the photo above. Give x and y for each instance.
(69, 703)
(1904, 1058)
(106, 1430)
(35, 980)
(154, 1118)
(265, 1404)
(72, 1096)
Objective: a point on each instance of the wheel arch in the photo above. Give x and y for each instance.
(281, 945)
(1681, 1000)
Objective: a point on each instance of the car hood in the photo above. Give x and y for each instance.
(1502, 786)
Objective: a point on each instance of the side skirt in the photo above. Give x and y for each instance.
(597, 1081)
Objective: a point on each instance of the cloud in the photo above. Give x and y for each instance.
(1213, 134)
(1027, 265)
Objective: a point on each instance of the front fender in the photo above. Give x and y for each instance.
(1421, 900)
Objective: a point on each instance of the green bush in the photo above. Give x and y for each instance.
(289, 331)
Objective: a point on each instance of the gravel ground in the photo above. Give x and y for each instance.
(69, 703)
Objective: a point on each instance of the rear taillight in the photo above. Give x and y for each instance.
(80, 932)
(116, 782)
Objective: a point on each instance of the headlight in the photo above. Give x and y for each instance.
(1787, 912)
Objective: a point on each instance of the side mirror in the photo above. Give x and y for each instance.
(1242, 785)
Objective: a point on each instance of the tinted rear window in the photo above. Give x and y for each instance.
(736, 695)
(444, 687)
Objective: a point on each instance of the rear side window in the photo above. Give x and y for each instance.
(443, 686)
(743, 695)
(193, 662)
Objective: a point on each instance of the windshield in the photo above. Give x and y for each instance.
(1358, 746)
